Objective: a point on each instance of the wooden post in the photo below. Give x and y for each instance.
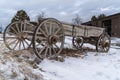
(73, 27)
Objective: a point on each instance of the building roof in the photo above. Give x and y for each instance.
(105, 18)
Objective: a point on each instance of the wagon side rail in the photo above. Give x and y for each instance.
(82, 30)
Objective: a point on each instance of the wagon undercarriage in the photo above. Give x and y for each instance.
(47, 38)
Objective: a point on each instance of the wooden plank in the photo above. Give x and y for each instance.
(82, 30)
(67, 29)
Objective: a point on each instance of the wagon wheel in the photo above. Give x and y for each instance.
(48, 38)
(103, 43)
(15, 36)
(77, 42)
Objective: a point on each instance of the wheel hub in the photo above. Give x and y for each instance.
(20, 37)
(52, 39)
(106, 44)
(79, 40)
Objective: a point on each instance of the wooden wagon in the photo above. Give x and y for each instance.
(47, 37)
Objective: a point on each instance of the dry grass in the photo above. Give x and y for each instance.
(76, 52)
(24, 62)
(3, 47)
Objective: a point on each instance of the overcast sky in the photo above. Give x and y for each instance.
(63, 10)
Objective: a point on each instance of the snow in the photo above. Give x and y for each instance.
(93, 66)
(100, 67)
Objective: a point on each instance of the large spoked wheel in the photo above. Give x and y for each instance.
(48, 40)
(15, 36)
(77, 42)
(103, 43)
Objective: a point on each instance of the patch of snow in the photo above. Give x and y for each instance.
(68, 42)
(115, 40)
(89, 45)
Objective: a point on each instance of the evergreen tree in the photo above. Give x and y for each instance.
(20, 16)
(93, 18)
(101, 16)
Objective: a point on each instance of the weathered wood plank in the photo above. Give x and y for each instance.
(82, 30)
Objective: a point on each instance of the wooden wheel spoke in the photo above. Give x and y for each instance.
(56, 26)
(106, 39)
(57, 31)
(10, 33)
(14, 30)
(16, 44)
(42, 44)
(54, 50)
(46, 28)
(50, 51)
(42, 50)
(50, 28)
(21, 29)
(18, 29)
(78, 45)
(56, 46)
(23, 44)
(24, 27)
(19, 45)
(12, 42)
(105, 48)
(27, 23)
(26, 42)
(42, 38)
(53, 28)
(101, 40)
(43, 32)
(46, 51)
(11, 38)
(61, 35)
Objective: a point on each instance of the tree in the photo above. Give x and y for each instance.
(93, 18)
(41, 16)
(77, 20)
(101, 16)
(20, 16)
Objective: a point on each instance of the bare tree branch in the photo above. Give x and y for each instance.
(77, 20)
(41, 16)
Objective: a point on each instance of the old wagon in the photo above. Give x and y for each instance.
(47, 37)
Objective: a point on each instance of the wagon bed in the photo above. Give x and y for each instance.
(82, 30)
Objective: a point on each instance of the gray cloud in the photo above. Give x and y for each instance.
(63, 10)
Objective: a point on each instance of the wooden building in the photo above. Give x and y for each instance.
(111, 23)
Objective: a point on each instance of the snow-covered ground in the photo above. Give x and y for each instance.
(93, 66)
